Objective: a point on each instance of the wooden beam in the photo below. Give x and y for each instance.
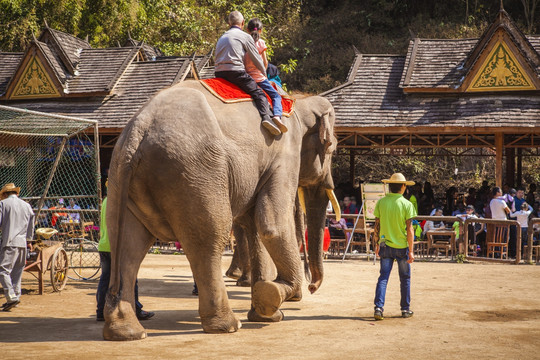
(499, 138)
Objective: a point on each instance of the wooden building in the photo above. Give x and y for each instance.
(62, 74)
(459, 95)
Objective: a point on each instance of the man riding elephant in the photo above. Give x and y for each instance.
(187, 155)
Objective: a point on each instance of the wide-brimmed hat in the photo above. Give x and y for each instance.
(10, 187)
(397, 178)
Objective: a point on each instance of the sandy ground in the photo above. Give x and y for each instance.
(461, 311)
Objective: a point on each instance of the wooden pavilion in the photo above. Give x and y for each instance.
(62, 74)
(463, 96)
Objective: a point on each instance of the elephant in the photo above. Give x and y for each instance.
(187, 167)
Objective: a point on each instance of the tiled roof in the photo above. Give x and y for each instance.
(54, 61)
(99, 69)
(70, 44)
(139, 82)
(150, 52)
(374, 99)
(9, 63)
(439, 63)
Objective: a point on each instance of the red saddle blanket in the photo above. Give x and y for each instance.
(230, 93)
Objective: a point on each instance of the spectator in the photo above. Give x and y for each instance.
(349, 208)
(75, 216)
(450, 200)
(509, 197)
(17, 225)
(531, 199)
(523, 220)
(58, 216)
(460, 210)
(427, 199)
(430, 225)
(519, 199)
(471, 197)
(499, 208)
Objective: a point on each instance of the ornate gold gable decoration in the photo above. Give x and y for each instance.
(34, 82)
(501, 72)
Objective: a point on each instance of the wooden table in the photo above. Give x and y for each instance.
(441, 244)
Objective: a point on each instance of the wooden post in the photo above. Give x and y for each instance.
(351, 166)
(510, 154)
(519, 172)
(499, 138)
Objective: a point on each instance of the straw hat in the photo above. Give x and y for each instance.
(397, 178)
(10, 187)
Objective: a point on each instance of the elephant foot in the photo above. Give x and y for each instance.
(296, 296)
(122, 325)
(266, 298)
(244, 281)
(218, 325)
(255, 317)
(234, 273)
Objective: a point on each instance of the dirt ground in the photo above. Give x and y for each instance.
(461, 311)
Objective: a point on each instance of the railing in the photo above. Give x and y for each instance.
(530, 236)
(492, 222)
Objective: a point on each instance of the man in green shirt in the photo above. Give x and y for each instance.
(394, 236)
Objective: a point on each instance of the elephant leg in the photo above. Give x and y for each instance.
(121, 322)
(234, 271)
(275, 225)
(242, 253)
(262, 269)
(205, 261)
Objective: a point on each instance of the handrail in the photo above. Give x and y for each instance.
(492, 222)
(530, 236)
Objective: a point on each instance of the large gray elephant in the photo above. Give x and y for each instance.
(186, 167)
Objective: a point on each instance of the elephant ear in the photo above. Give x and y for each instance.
(326, 129)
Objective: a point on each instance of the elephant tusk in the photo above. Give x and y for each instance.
(335, 203)
(302, 199)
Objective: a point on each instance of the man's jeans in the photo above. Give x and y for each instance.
(103, 285)
(388, 255)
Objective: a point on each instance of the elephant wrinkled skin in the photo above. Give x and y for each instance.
(185, 168)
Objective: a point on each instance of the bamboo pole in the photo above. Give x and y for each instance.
(51, 175)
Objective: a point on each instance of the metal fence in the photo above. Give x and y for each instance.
(55, 162)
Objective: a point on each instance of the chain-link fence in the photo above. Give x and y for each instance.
(55, 161)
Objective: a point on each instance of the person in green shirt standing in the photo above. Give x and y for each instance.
(394, 236)
(104, 248)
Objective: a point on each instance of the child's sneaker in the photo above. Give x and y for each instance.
(406, 313)
(280, 124)
(378, 314)
(272, 129)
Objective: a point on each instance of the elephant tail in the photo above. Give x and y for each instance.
(125, 160)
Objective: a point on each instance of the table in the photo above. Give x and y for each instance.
(441, 244)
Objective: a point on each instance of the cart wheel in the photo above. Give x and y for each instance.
(59, 269)
(84, 258)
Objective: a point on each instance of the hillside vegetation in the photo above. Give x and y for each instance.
(311, 40)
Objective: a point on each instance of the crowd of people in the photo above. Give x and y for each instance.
(483, 202)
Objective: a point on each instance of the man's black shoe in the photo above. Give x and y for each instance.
(8, 306)
(145, 315)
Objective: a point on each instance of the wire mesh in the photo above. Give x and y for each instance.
(56, 163)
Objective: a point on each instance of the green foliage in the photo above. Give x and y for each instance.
(311, 40)
(156, 251)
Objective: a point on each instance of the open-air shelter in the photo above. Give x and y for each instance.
(465, 96)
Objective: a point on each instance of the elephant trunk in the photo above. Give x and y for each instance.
(316, 200)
